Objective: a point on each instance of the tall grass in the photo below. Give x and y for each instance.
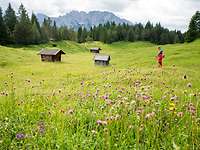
(131, 104)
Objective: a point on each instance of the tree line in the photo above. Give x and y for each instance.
(22, 29)
(111, 32)
(194, 28)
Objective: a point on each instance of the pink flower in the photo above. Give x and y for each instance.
(145, 97)
(180, 114)
(102, 122)
(192, 109)
(109, 102)
(105, 97)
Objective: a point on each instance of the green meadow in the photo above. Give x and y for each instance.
(74, 104)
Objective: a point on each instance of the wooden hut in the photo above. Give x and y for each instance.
(52, 55)
(95, 50)
(102, 60)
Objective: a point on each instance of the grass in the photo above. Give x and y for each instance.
(131, 104)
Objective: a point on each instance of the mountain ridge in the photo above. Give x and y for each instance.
(75, 19)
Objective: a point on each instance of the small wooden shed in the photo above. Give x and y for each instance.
(95, 50)
(102, 60)
(52, 55)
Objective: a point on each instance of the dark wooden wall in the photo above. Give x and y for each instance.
(102, 63)
(51, 58)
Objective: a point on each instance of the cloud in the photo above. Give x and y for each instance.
(174, 14)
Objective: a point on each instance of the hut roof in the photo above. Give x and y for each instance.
(95, 49)
(50, 52)
(102, 57)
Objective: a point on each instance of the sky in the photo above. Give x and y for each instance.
(173, 14)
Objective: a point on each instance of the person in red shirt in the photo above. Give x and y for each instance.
(160, 57)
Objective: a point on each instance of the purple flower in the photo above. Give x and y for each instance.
(145, 97)
(101, 122)
(20, 136)
(105, 97)
(41, 127)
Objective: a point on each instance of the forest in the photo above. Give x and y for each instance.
(22, 29)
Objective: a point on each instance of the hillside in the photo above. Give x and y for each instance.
(131, 104)
(75, 19)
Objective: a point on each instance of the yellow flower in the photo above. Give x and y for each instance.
(172, 106)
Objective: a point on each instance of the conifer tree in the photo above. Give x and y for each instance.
(3, 30)
(10, 19)
(23, 29)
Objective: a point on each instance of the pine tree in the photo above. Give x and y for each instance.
(55, 35)
(180, 37)
(44, 31)
(36, 30)
(79, 37)
(84, 35)
(3, 30)
(10, 21)
(194, 28)
(23, 29)
(36, 36)
(131, 35)
(164, 38)
(35, 20)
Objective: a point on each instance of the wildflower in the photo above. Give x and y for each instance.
(20, 136)
(109, 102)
(117, 117)
(119, 96)
(11, 75)
(130, 126)
(172, 106)
(101, 122)
(70, 111)
(173, 98)
(106, 130)
(145, 97)
(192, 109)
(82, 83)
(41, 127)
(150, 115)
(137, 83)
(28, 80)
(105, 97)
(140, 110)
(88, 95)
(62, 111)
(133, 102)
(94, 132)
(180, 114)
(141, 127)
(189, 85)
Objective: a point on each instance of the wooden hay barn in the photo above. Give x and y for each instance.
(95, 50)
(53, 55)
(102, 60)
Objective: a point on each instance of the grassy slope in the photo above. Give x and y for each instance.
(130, 62)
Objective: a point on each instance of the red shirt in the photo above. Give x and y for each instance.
(160, 57)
